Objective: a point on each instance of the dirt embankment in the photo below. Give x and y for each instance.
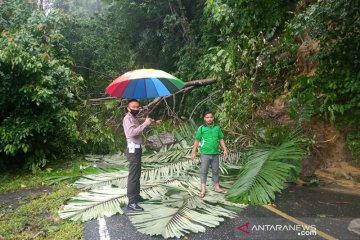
(329, 160)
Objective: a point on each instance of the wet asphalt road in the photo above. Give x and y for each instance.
(327, 211)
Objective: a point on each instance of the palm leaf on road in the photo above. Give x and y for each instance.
(119, 179)
(108, 201)
(181, 214)
(265, 172)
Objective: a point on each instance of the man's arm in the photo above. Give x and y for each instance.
(133, 130)
(196, 145)
(223, 146)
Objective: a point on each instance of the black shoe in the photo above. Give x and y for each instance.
(135, 207)
(140, 199)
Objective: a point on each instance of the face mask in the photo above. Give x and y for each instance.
(134, 112)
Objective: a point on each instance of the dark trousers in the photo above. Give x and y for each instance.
(206, 160)
(133, 183)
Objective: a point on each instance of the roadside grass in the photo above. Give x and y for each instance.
(66, 171)
(36, 216)
(25, 179)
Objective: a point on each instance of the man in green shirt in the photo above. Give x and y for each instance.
(208, 136)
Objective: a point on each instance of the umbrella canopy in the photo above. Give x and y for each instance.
(144, 83)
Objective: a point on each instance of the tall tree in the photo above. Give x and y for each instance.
(38, 90)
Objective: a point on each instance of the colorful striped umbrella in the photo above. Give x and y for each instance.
(144, 83)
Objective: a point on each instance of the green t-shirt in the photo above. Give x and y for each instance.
(208, 137)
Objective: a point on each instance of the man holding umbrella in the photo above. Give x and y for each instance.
(139, 84)
(133, 128)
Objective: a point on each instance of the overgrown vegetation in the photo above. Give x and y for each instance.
(100, 128)
(306, 51)
(277, 64)
(334, 25)
(353, 147)
(39, 92)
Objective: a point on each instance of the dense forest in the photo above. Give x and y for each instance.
(270, 66)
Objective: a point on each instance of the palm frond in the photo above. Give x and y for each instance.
(219, 198)
(302, 110)
(170, 170)
(56, 179)
(233, 161)
(295, 142)
(192, 186)
(186, 131)
(97, 203)
(188, 184)
(233, 158)
(191, 214)
(119, 178)
(168, 154)
(107, 201)
(115, 159)
(93, 181)
(265, 173)
(308, 111)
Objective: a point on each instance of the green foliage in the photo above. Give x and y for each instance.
(186, 131)
(38, 92)
(15, 13)
(79, 7)
(353, 147)
(265, 171)
(241, 102)
(233, 35)
(128, 35)
(93, 51)
(335, 25)
(100, 128)
(272, 135)
(302, 112)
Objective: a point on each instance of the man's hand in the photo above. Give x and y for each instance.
(194, 150)
(226, 153)
(148, 120)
